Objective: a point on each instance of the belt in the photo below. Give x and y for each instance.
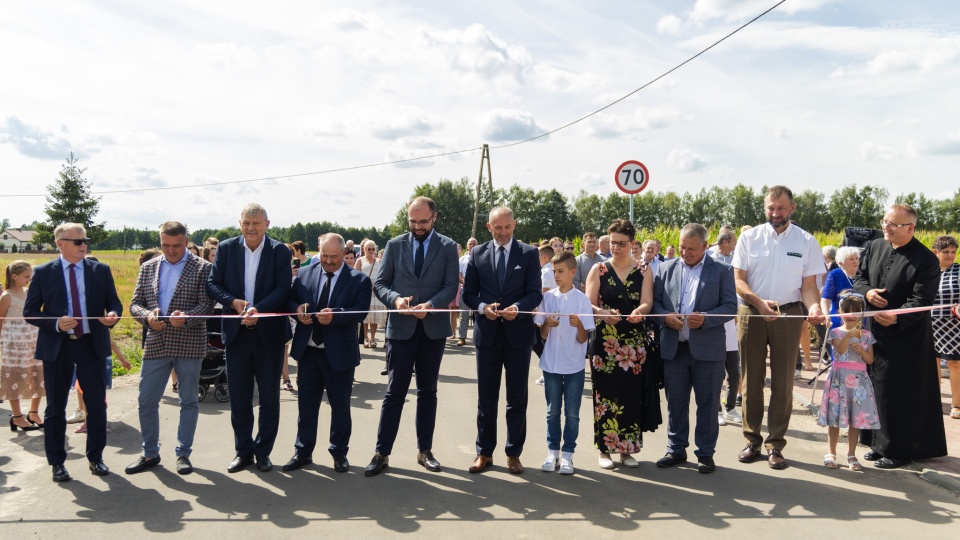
(790, 305)
(75, 337)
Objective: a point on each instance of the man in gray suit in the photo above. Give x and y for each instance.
(419, 272)
(691, 344)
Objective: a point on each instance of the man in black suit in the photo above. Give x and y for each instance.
(251, 275)
(326, 348)
(419, 272)
(503, 277)
(78, 303)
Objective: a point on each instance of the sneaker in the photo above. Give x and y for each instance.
(733, 416)
(797, 374)
(77, 417)
(739, 401)
(550, 464)
(539, 381)
(566, 463)
(605, 462)
(720, 419)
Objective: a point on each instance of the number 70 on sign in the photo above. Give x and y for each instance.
(632, 177)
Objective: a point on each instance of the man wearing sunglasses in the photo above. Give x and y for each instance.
(73, 302)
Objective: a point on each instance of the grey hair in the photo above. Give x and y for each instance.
(726, 236)
(253, 209)
(62, 228)
(845, 253)
(333, 236)
(500, 210)
(648, 243)
(694, 230)
(830, 251)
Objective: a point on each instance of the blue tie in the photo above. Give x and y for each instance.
(501, 264)
(418, 259)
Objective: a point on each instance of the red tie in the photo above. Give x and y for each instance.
(75, 298)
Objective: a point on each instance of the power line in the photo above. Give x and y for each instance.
(454, 152)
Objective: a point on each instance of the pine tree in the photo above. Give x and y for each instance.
(70, 201)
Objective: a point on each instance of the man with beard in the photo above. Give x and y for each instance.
(775, 269)
(419, 272)
(901, 273)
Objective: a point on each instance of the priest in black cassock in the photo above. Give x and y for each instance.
(899, 272)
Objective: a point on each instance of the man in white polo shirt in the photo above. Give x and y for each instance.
(775, 267)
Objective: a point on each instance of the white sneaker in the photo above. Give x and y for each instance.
(77, 417)
(566, 463)
(733, 416)
(539, 381)
(550, 464)
(720, 419)
(797, 374)
(605, 462)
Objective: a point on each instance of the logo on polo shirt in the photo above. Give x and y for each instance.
(794, 254)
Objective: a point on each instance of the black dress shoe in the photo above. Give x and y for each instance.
(889, 463)
(99, 468)
(377, 464)
(183, 465)
(239, 463)
(264, 463)
(669, 460)
(60, 474)
(383, 371)
(141, 464)
(340, 464)
(296, 462)
(429, 462)
(872, 455)
(706, 465)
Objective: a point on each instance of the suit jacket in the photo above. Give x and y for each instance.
(47, 297)
(271, 290)
(716, 294)
(521, 287)
(350, 293)
(189, 296)
(438, 283)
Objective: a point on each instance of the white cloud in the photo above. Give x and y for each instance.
(590, 179)
(669, 25)
(226, 56)
(781, 132)
(657, 117)
(871, 151)
(736, 10)
(948, 144)
(509, 125)
(403, 122)
(683, 160)
(476, 50)
(36, 141)
(924, 57)
(605, 125)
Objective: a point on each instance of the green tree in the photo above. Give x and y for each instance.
(813, 213)
(70, 201)
(745, 206)
(852, 207)
(588, 210)
(5, 224)
(928, 210)
(454, 202)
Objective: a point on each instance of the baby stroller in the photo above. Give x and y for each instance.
(213, 367)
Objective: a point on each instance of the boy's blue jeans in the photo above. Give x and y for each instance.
(565, 391)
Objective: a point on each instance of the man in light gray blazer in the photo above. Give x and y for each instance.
(692, 345)
(419, 272)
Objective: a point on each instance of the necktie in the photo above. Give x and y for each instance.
(418, 259)
(501, 264)
(322, 304)
(75, 300)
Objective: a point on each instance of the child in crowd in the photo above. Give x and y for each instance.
(21, 374)
(565, 317)
(848, 398)
(546, 253)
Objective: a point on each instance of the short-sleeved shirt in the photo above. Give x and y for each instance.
(562, 353)
(584, 264)
(776, 263)
(546, 277)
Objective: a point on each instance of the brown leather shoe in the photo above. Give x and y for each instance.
(513, 465)
(748, 454)
(776, 460)
(481, 464)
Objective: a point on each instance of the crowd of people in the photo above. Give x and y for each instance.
(639, 322)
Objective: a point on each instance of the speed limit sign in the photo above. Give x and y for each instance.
(632, 177)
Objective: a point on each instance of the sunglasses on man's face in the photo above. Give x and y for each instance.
(76, 241)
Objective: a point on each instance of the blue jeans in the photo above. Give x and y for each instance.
(154, 375)
(565, 390)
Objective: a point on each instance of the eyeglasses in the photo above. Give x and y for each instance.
(422, 222)
(568, 248)
(889, 224)
(619, 243)
(76, 241)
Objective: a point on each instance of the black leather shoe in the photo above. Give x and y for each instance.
(60, 474)
(669, 460)
(239, 463)
(872, 455)
(706, 465)
(377, 464)
(99, 468)
(429, 462)
(340, 464)
(264, 463)
(889, 463)
(296, 462)
(383, 371)
(141, 464)
(183, 465)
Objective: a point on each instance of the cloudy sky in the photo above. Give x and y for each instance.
(817, 94)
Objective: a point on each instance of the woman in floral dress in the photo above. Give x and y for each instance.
(21, 374)
(625, 394)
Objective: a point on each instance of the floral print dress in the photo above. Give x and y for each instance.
(848, 399)
(625, 395)
(21, 374)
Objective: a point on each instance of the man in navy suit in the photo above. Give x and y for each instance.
(419, 272)
(78, 303)
(693, 346)
(251, 275)
(326, 349)
(503, 277)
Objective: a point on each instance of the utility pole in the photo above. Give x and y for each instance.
(485, 156)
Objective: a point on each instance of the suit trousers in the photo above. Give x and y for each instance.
(79, 355)
(492, 362)
(154, 375)
(249, 359)
(314, 375)
(754, 335)
(425, 354)
(705, 377)
(732, 365)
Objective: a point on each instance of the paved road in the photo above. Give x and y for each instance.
(806, 500)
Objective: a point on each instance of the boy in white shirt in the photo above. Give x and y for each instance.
(565, 317)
